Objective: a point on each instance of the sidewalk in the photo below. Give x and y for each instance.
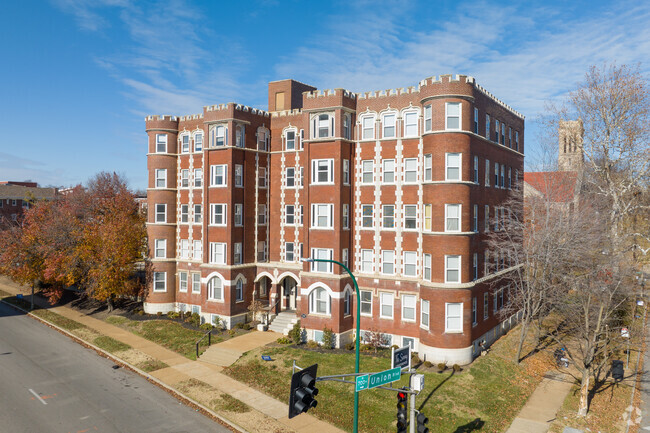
(181, 368)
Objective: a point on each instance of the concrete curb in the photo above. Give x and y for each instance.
(175, 393)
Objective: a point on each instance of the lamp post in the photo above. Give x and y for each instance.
(356, 360)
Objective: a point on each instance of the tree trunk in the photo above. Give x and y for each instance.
(584, 394)
(109, 303)
(522, 338)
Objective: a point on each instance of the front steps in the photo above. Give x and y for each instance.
(283, 322)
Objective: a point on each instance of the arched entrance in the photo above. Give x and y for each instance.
(289, 293)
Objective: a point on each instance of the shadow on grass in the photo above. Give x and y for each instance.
(434, 390)
(471, 426)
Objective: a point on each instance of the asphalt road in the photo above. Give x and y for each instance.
(48, 383)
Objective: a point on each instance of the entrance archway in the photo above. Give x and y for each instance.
(289, 293)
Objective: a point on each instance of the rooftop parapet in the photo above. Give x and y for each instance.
(191, 117)
(330, 92)
(239, 107)
(389, 92)
(161, 117)
(294, 112)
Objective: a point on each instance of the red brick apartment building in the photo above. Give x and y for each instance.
(15, 198)
(399, 184)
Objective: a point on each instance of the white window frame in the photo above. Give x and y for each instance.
(345, 257)
(182, 281)
(160, 245)
(320, 297)
(239, 176)
(450, 329)
(261, 177)
(388, 166)
(475, 219)
(367, 261)
(185, 178)
(239, 290)
(261, 215)
(219, 136)
(384, 216)
(386, 296)
(325, 254)
(474, 311)
(366, 302)
(347, 122)
(289, 252)
(426, 267)
(185, 143)
(184, 249)
(196, 282)
(424, 314)
(365, 218)
(428, 167)
(410, 119)
(185, 214)
(410, 168)
(475, 120)
(388, 126)
(197, 250)
(410, 259)
(198, 177)
(449, 116)
(198, 142)
(238, 220)
(290, 143)
(427, 217)
(367, 169)
(161, 178)
(409, 302)
(487, 172)
(460, 166)
(450, 218)
(346, 216)
(367, 127)
(486, 305)
(428, 118)
(496, 175)
(218, 209)
(319, 211)
(324, 166)
(160, 282)
(218, 253)
(237, 255)
(161, 140)
(290, 215)
(387, 259)
(198, 214)
(487, 126)
(158, 213)
(496, 131)
(410, 214)
(509, 178)
(219, 175)
(475, 266)
(240, 136)
(212, 290)
(346, 172)
(476, 180)
(449, 269)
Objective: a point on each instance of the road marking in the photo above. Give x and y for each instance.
(37, 396)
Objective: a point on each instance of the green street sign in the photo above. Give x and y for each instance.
(388, 376)
(361, 383)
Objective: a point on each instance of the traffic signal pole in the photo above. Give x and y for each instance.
(412, 404)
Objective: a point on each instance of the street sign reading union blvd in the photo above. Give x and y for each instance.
(368, 381)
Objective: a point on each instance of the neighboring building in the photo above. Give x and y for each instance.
(15, 197)
(401, 185)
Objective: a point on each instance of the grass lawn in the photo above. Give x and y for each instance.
(489, 393)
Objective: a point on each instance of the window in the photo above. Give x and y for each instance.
(487, 126)
(261, 215)
(503, 176)
(366, 261)
(198, 250)
(495, 303)
(261, 251)
(239, 136)
(367, 168)
(509, 177)
(346, 303)
(239, 175)
(487, 172)
(388, 262)
(366, 302)
(346, 216)
(503, 133)
(262, 140)
(185, 144)
(453, 166)
(346, 172)
(185, 249)
(160, 248)
(319, 301)
(452, 217)
(475, 219)
(475, 266)
(475, 129)
(239, 290)
(389, 126)
(185, 213)
(347, 120)
(291, 140)
(427, 118)
(410, 124)
(486, 306)
(218, 175)
(161, 178)
(367, 128)
(366, 215)
(161, 143)
(410, 263)
(427, 266)
(386, 305)
(290, 214)
(161, 213)
(388, 218)
(410, 217)
(198, 142)
(323, 254)
(185, 178)
(263, 284)
(218, 253)
(474, 311)
(410, 170)
(496, 131)
(424, 314)
(198, 177)
(322, 126)
(516, 181)
(218, 214)
(321, 215)
(454, 317)
(302, 214)
(517, 141)
(476, 169)
(215, 289)
(198, 213)
(344, 256)
(182, 281)
(428, 170)
(408, 308)
(496, 174)
(160, 281)
(486, 262)
(509, 137)
(496, 219)
(452, 118)
(301, 176)
(219, 136)
(389, 170)
(237, 254)
(261, 177)
(427, 217)
(322, 171)
(452, 269)
(239, 214)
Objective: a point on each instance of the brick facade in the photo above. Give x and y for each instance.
(384, 181)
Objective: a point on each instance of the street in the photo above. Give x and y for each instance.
(52, 384)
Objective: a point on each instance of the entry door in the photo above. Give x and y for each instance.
(290, 293)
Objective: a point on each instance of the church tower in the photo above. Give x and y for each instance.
(571, 155)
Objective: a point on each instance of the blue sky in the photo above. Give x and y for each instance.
(78, 76)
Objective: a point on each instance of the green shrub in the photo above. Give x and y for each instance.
(427, 364)
(296, 333)
(239, 326)
(173, 315)
(246, 326)
(159, 314)
(351, 345)
(442, 366)
(394, 346)
(140, 313)
(284, 340)
(232, 332)
(457, 368)
(206, 327)
(194, 319)
(329, 339)
(312, 344)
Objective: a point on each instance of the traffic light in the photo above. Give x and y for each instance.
(421, 426)
(303, 391)
(402, 412)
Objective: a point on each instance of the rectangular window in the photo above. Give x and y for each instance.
(389, 170)
(517, 141)
(346, 216)
(366, 302)
(302, 214)
(182, 281)
(218, 175)
(452, 217)
(198, 178)
(198, 142)
(475, 266)
(516, 180)
(261, 215)
(368, 128)
(160, 248)
(424, 314)
(503, 133)
(495, 302)
(487, 172)
(184, 249)
(486, 306)
(452, 269)
(290, 177)
(291, 140)
(452, 170)
(196, 283)
(475, 219)
(476, 170)
(290, 214)
(302, 139)
(486, 262)
(161, 143)
(410, 263)
(185, 213)
(408, 308)
(261, 251)
(496, 174)
(427, 217)
(239, 291)
(410, 170)
(496, 131)
(452, 110)
(262, 140)
(185, 178)
(198, 250)
(367, 261)
(240, 137)
(366, 215)
(160, 280)
(388, 217)
(237, 254)
(367, 168)
(323, 254)
(487, 126)
(386, 303)
(161, 178)
(388, 262)
(474, 311)
(301, 177)
(475, 129)
(219, 136)
(454, 317)
(410, 217)
(509, 177)
(322, 216)
(496, 219)
(218, 253)
(239, 175)
(261, 177)
(509, 137)
(346, 126)
(344, 256)
(427, 118)
(239, 214)
(185, 144)
(410, 124)
(322, 171)
(218, 214)
(427, 266)
(161, 213)
(428, 168)
(389, 126)
(288, 252)
(503, 176)
(346, 172)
